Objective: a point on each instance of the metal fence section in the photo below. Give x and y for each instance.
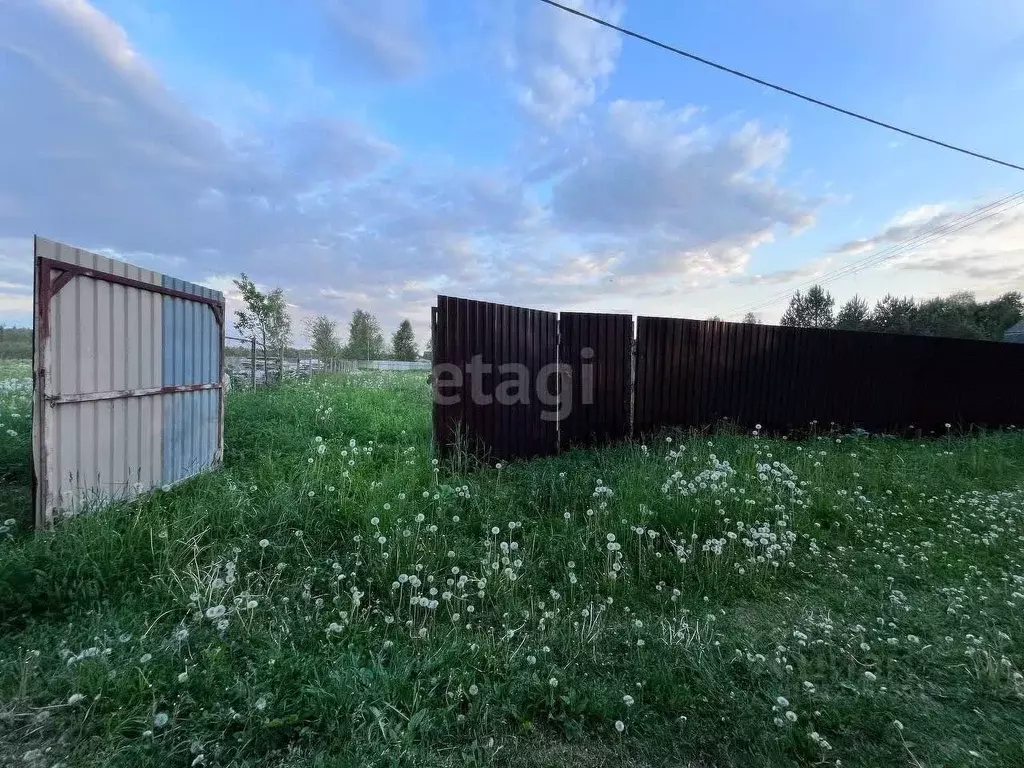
(693, 373)
(247, 366)
(595, 396)
(393, 365)
(700, 374)
(494, 368)
(240, 361)
(127, 368)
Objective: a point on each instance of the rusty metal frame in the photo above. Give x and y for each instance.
(47, 286)
(71, 271)
(91, 397)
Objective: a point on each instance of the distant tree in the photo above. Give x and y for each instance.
(403, 342)
(715, 319)
(264, 318)
(365, 341)
(428, 351)
(810, 310)
(853, 315)
(323, 337)
(958, 315)
(15, 343)
(996, 316)
(894, 315)
(751, 318)
(952, 316)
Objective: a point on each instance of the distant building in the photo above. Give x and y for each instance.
(1015, 333)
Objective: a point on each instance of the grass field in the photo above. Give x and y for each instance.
(331, 598)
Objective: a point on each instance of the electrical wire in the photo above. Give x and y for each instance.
(886, 254)
(779, 88)
(899, 247)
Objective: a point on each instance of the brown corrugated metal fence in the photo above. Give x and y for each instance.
(699, 374)
(480, 351)
(692, 373)
(596, 350)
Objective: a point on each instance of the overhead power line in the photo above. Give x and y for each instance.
(779, 88)
(877, 258)
(899, 249)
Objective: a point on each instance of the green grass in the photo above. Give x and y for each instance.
(15, 442)
(890, 589)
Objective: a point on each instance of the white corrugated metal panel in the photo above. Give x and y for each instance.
(99, 375)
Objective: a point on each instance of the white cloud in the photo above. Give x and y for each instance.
(676, 197)
(644, 201)
(990, 251)
(808, 270)
(16, 258)
(923, 214)
(383, 38)
(15, 306)
(986, 248)
(562, 62)
(986, 258)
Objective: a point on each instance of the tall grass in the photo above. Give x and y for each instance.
(334, 597)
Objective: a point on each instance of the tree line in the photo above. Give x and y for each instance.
(15, 343)
(958, 315)
(365, 339)
(266, 318)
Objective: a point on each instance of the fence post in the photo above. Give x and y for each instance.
(252, 357)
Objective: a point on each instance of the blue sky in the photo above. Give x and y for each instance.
(372, 154)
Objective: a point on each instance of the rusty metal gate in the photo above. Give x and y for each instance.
(127, 368)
